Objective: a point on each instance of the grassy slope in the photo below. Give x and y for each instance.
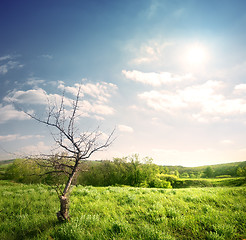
(219, 169)
(28, 212)
(210, 182)
(2, 162)
(3, 168)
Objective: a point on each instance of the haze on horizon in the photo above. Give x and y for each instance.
(169, 75)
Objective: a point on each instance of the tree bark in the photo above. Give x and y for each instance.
(63, 214)
(78, 146)
(69, 182)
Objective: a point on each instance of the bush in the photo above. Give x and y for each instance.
(28, 171)
(158, 183)
(224, 176)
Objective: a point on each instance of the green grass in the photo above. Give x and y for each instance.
(28, 212)
(3, 167)
(210, 182)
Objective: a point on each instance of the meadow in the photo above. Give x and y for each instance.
(28, 212)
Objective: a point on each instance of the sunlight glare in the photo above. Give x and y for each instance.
(196, 55)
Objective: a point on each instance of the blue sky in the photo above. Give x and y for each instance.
(169, 75)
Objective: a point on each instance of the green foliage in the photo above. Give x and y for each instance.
(29, 171)
(241, 171)
(198, 172)
(158, 183)
(223, 176)
(24, 171)
(27, 212)
(3, 167)
(209, 172)
(218, 182)
(129, 171)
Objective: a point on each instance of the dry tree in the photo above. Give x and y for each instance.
(77, 146)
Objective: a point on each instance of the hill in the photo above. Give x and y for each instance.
(229, 169)
(2, 162)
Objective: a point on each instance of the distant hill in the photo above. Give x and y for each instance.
(229, 169)
(218, 169)
(2, 162)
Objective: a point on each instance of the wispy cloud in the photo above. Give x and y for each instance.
(101, 91)
(6, 57)
(35, 81)
(202, 102)
(8, 138)
(37, 149)
(93, 109)
(155, 79)
(148, 52)
(94, 98)
(125, 128)
(48, 56)
(8, 63)
(240, 88)
(12, 137)
(35, 96)
(226, 142)
(193, 157)
(8, 112)
(93, 101)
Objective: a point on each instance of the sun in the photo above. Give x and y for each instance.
(196, 55)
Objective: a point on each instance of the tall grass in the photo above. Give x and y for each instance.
(28, 212)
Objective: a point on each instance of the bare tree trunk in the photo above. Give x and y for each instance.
(63, 214)
(78, 146)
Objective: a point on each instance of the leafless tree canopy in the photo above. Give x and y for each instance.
(77, 146)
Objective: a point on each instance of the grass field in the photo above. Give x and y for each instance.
(28, 212)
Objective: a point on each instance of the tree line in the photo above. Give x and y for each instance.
(130, 171)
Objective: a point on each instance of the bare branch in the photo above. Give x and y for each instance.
(78, 147)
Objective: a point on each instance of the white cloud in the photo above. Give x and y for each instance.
(10, 64)
(102, 109)
(12, 137)
(8, 138)
(39, 148)
(3, 69)
(34, 81)
(124, 128)
(203, 101)
(149, 52)
(226, 141)
(101, 91)
(240, 88)
(95, 96)
(47, 56)
(35, 96)
(155, 79)
(162, 100)
(87, 108)
(8, 112)
(191, 158)
(6, 57)
(236, 72)
(92, 103)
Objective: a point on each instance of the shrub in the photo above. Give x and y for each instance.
(158, 183)
(223, 176)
